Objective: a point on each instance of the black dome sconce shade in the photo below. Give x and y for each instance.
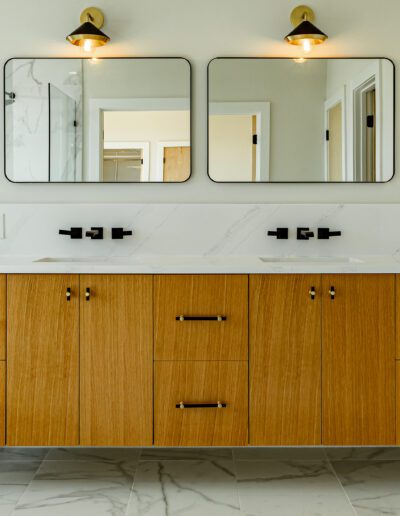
(88, 35)
(305, 33)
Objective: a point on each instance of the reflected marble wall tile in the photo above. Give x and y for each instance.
(160, 454)
(363, 453)
(292, 454)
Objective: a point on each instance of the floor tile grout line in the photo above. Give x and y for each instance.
(331, 467)
(237, 485)
(27, 486)
(133, 483)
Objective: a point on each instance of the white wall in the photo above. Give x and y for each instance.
(200, 31)
(296, 93)
(231, 155)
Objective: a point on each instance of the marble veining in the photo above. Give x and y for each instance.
(200, 481)
(201, 238)
(165, 488)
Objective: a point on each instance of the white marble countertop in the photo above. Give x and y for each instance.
(170, 264)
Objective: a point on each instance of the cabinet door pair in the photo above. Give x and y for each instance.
(79, 368)
(323, 366)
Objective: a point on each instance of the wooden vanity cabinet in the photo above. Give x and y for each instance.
(358, 359)
(42, 360)
(3, 318)
(116, 360)
(285, 360)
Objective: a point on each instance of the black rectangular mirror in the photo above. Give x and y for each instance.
(122, 120)
(301, 120)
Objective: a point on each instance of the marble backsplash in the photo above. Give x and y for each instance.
(202, 229)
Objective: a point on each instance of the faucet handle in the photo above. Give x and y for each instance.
(120, 233)
(95, 233)
(304, 234)
(74, 233)
(280, 233)
(326, 233)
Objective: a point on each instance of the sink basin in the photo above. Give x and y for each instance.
(309, 259)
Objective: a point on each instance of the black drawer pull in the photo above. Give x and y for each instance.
(218, 318)
(183, 405)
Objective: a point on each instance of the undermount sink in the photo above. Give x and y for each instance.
(309, 259)
(74, 259)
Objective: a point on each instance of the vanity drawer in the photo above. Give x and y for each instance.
(201, 317)
(200, 387)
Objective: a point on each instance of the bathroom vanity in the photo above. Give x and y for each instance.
(198, 359)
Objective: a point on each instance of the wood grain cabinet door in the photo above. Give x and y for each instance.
(200, 299)
(200, 385)
(358, 367)
(116, 370)
(42, 360)
(285, 360)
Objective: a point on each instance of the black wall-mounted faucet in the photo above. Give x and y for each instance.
(304, 234)
(95, 233)
(280, 233)
(120, 233)
(74, 233)
(326, 233)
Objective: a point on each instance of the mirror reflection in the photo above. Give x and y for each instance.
(301, 120)
(97, 120)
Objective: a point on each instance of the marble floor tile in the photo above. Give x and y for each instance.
(9, 496)
(75, 488)
(364, 453)
(17, 472)
(185, 453)
(14, 453)
(372, 486)
(284, 488)
(95, 454)
(195, 488)
(277, 453)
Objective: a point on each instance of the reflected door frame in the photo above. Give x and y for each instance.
(337, 98)
(262, 112)
(144, 146)
(372, 76)
(96, 127)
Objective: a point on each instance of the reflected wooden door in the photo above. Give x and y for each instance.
(176, 164)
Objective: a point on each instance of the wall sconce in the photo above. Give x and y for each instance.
(305, 33)
(88, 35)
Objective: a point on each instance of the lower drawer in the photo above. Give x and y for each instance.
(201, 403)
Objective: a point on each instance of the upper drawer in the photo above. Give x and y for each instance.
(201, 317)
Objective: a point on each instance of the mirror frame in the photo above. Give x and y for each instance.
(142, 58)
(257, 58)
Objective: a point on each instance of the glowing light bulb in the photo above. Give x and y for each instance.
(307, 45)
(299, 60)
(88, 45)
